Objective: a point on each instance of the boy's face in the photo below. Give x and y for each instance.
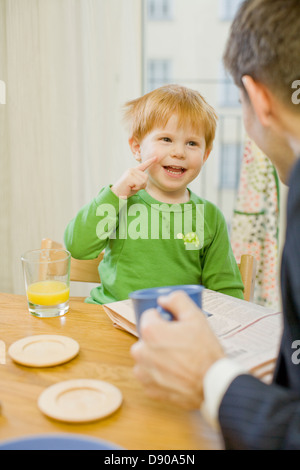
(181, 153)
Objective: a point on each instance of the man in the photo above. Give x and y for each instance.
(182, 361)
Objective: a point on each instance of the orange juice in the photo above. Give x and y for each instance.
(48, 293)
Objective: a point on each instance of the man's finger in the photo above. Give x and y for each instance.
(145, 165)
(150, 324)
(180, 305)
(150, 315)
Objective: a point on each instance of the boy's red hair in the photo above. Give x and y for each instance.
(155, 109)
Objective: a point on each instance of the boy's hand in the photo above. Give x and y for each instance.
(133, 180)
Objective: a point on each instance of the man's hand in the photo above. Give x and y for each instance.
(133, 180)
(172, 358)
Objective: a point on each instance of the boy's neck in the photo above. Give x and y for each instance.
(168, 197)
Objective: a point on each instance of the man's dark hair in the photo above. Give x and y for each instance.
(264, 43)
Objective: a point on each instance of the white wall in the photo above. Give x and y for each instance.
(69, 66)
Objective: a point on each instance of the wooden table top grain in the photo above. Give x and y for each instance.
(140, 422)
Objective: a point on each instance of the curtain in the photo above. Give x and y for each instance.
(255, 226)
(69, 66)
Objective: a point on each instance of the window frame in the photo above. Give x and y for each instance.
(157, 13)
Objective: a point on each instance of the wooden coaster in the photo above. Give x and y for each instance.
(43, 350)
(81, 400)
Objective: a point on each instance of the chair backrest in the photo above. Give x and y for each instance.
(81, 270)
(87, 270)
(247, 269)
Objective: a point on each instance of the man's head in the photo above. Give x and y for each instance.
(262, 55)
(265, 44)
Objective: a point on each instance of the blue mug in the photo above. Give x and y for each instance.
(145, 299)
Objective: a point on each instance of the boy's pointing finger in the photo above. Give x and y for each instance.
(145, 165)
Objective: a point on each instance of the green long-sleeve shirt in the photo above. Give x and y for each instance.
(146, 245)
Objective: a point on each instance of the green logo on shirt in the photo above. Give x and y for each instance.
(191, 240)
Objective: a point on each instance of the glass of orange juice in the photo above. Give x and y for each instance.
(47, 281)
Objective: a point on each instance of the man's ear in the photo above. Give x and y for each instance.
(260, 99)
(135, 148)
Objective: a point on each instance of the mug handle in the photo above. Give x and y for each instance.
(165, 314)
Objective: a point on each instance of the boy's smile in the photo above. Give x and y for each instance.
(174, 171)
(181, 152)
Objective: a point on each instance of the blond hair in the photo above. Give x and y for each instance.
(156, 108)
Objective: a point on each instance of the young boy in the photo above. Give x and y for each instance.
(154, 230)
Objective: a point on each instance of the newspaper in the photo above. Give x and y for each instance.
(122, 315)
(249, 333)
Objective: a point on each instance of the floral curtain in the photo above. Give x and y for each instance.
(256, 221)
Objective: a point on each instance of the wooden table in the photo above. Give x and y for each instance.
(140, 423)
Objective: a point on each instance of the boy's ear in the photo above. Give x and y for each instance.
(206, 155)
(135, 147)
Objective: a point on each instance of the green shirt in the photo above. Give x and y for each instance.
(149, 244)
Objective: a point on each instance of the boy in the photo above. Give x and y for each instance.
(154, 230)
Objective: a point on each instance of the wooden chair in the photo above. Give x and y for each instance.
(247, 269)
(81, 270)
(87, 270)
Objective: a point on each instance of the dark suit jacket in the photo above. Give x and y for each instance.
(254, 415)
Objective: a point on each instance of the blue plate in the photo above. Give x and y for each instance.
(57, 442)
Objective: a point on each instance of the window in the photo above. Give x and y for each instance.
(231, 159)
(160, 10)
(228, 91)
(158, 73)
(228, 9)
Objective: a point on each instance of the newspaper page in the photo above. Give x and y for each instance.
(249, 333)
